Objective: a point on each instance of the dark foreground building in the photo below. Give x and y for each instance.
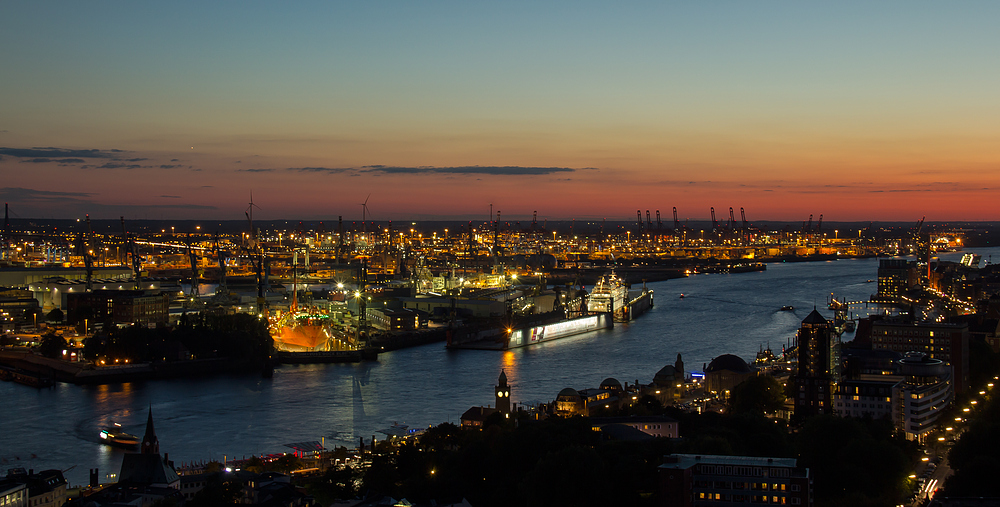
(688, 480)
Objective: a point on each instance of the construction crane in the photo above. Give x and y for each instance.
(659, 224)
(920, 226)
(222, 266)
(819, 225)
(732, 220)
(88, 255)
(194, 266)
(809, 226)
(124, 257)
(132, 248)
(746, 232)
(638, 217)
(649, 222)
(677, 223)
(88, 261)
(715, 224)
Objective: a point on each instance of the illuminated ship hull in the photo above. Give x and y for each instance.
(307, 337)
(308, 332)
(534, 335)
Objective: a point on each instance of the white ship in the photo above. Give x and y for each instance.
(608, 296)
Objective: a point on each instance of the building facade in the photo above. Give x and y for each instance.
(688, 480)
(948, 342)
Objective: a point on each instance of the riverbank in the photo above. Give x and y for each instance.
(86, 373)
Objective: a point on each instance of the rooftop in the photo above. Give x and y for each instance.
(682, 461)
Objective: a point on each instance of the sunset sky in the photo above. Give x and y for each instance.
(856, 110)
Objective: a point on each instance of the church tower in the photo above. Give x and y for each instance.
(150, 444)
(502, 391)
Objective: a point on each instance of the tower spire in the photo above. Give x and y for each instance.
(150, 444)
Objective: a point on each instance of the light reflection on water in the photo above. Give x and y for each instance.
(236, 416)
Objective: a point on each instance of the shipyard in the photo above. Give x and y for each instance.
(474, 254)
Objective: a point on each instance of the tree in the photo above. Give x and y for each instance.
(52, 346)
(761, 394)
(56, 315)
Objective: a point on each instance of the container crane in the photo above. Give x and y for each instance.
(222, 265)
(194, 266)
(746, 232)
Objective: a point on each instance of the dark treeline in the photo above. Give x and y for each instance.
(975, 456)
(240, 337)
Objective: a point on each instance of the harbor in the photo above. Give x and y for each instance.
(219, 415)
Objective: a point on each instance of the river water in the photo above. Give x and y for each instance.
(234, 416)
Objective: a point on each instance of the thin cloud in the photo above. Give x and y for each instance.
(33, 201)
(19, 194)
(327, 170)
(170, 166)
(476, 169)
(51, 152)
(52, 160)
(171, 196)
(112, 165)
(253, 170)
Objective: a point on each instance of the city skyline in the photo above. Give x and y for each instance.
(854, 111)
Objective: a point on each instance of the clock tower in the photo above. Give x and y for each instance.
(502, 391)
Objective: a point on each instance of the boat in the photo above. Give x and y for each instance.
(25, 378)
(116, 436)
(682, 296)
(788, 308)
(523, 337)
(608, 296)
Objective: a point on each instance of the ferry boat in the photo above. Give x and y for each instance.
(787, 308)
(116, 436)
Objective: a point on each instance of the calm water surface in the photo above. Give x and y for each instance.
(226, 417)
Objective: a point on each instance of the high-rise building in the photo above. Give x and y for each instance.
(818, 366)
(948, 342)
(895, 277)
